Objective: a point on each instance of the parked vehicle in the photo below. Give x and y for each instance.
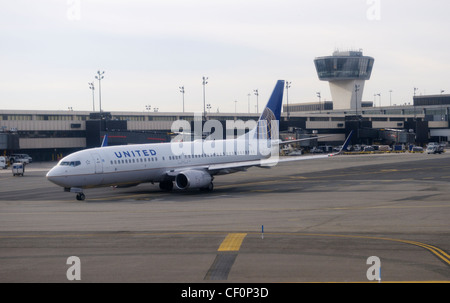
(435, 148)
(3, 162)
(23, 158)
(416, 149)
(357, 148)
(297, 152)
(316, 150)
(384, 148)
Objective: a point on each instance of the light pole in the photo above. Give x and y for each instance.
(91, 87)
(288, 85)
(257, 102)
(414, 102)
(390, 97)
(182, 91)
(379, 95)
(356, 97)
(204, 102)
(148, 108)
(208, 106)
(249, 102)
(320, 105)
(235, 108)
(100, 77)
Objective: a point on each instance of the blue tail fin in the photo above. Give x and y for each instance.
(271, 112)
(273, 107)
(105, 140)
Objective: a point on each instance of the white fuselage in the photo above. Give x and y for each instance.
(133, 164)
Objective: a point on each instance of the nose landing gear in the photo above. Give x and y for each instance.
(81, 197)
(79, 191)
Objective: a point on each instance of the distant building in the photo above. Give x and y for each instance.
(346, 73)
(308, 107)
(431, 100)
(324, 106)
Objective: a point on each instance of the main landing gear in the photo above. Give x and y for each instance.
(208, 188)
(166, 185)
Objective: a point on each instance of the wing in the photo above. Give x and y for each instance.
(300, 140)
(272, 161)
(230, 167)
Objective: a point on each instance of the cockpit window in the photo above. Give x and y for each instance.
(70, 163)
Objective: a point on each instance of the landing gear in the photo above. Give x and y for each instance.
(208, 188)
(79, 191)
(166, 185)
(81, 197)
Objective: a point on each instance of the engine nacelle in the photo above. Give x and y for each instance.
(193, 179)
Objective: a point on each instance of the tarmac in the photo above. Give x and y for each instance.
(307, 221)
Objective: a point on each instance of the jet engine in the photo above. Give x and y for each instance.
(193, 179)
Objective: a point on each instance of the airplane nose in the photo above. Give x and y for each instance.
(50, 174)
(53, 175)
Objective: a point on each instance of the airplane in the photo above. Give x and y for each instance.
(190, 165)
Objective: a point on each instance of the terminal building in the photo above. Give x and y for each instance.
(50, 135)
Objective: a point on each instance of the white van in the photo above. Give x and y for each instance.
(3, 163)
(22, 158)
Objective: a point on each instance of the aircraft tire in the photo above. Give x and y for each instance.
(166, 185)
(208, 188)
(81, 197)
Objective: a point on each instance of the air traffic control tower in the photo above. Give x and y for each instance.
(346, 72)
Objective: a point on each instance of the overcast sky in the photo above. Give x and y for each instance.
(51, 49)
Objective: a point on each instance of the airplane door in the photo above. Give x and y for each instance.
(98, 163)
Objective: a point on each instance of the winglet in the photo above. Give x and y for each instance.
(346, 143)
(105, 140)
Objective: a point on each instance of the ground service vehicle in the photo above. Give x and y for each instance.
(435, 148)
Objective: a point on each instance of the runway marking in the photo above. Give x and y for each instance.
(442, 255)
(221, 267)
(232, 242)
(222, 264)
